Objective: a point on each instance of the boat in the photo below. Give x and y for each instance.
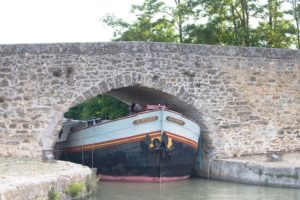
(154, 145)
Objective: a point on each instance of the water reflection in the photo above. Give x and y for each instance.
(194, 188)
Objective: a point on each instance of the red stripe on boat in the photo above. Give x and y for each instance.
(146, 179)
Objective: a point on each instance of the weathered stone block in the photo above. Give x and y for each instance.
(4, 83)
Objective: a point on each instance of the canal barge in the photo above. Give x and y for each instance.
(156, 145)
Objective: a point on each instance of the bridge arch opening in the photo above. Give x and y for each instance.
(143, 95)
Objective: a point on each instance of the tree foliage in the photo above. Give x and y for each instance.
(100, 106)
(295, 12)
(148, 27)
(264, 23)
(275, 30)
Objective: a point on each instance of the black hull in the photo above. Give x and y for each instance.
(137, 159)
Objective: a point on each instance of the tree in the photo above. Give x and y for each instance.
(205, 34)
(178, 17)
(295, 12)
(230, 17)
(274, 30)
(155, 21)
(225, 22)
(100, 106)
(150, 25)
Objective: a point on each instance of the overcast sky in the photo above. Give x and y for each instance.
(48, 21)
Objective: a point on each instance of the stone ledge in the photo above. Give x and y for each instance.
(255, 170)
(32, 180)
(103, 48)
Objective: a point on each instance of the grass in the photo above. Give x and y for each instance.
(91, 182)
(53, 194)
(75, 189)
(295, 176)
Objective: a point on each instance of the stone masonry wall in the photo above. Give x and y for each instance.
(248, 98)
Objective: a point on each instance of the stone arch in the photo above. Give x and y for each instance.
(137, 80)
(248, 97)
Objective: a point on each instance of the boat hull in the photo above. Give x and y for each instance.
(157, 156)
(134, 161)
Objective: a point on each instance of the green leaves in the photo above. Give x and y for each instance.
(99, 106)
(295, 12)
(275, 35)
(274, 30)
(155, 21)
(226, 22)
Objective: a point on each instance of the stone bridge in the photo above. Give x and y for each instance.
(247, 100)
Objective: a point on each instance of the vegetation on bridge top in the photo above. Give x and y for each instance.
(269, 23)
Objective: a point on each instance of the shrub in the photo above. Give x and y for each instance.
(91, 182)
(53, 194)
(75, 189)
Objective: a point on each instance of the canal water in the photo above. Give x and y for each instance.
(194, 188)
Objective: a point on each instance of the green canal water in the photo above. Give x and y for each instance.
(194, 188)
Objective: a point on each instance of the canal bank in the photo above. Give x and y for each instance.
(257, 170)
(22, 179)
(28, 179)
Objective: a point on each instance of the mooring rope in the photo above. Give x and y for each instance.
(93, 155)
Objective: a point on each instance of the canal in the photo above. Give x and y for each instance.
(194, 188)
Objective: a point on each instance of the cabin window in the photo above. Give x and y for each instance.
(90, 123)
(174, 120)
(98, 120)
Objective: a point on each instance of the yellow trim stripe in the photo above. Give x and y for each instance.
(182, 139)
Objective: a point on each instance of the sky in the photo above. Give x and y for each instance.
(51, 21)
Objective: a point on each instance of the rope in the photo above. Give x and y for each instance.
(82, 153)
(93, 155)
